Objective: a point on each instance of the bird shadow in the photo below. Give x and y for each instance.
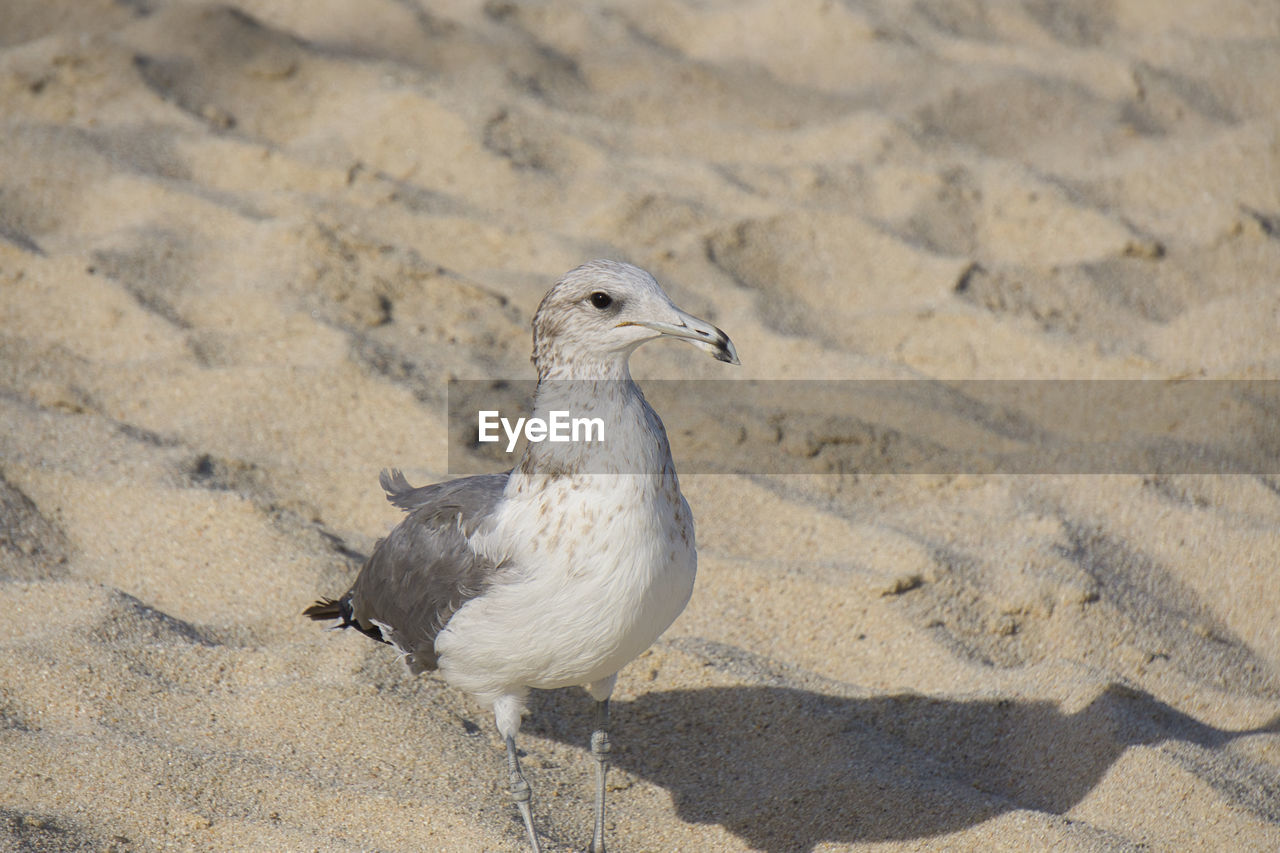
(787, 769)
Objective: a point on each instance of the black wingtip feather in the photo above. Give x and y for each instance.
(328, 608)
(325, 608)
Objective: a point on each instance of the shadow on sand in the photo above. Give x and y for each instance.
(786, 768)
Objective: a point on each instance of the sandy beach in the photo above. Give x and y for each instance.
(245, 246)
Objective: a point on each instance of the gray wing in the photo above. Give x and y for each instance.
(424, 570)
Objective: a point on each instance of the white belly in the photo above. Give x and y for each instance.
(595, 568)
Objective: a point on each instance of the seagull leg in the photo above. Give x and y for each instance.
(600, 748)
(520, 793)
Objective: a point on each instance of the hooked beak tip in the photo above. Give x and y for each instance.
(726, 353)
(701, 334)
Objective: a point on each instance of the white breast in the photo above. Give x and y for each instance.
(595, 568)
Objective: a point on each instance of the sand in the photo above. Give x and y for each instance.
(243, 246)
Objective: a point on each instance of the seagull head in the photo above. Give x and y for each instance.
(595, 317)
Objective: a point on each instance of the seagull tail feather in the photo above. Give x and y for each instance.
(398, 490)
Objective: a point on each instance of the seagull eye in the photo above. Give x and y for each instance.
(601, 300)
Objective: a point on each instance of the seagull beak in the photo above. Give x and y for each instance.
(700, 333)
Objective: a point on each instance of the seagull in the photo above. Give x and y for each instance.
(562, 570)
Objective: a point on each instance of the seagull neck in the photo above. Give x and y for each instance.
(583, 397)
(579, 384)
(620, 432)
(613, 368)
